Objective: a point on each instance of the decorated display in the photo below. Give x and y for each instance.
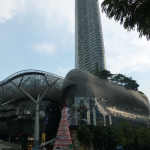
(63, 139)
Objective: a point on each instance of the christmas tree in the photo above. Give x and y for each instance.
(63, 139)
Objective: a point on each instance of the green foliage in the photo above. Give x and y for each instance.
(125, 135)
(143, 135)
(140, 92)
(131, 13)
(100, 136)
(121, 79)
(84, 135)
(126, 81)
(102, 73)
(109, 137)
(111, 142)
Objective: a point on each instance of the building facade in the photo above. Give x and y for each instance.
(89, 100)
(93, 101)
(89, 45)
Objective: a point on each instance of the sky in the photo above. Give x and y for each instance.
(40, 34)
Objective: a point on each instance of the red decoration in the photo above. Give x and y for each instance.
(63, 138)
(64, 105)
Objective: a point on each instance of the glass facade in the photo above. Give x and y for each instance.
(17, 110)
(21, 85)
(90, 100)
(89, 45)
(21, 92)
(96, 101)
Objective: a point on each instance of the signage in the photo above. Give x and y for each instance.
(30, 138)
(43, 138)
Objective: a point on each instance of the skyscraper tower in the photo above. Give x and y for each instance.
(89, 45)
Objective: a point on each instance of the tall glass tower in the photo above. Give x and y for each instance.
(89, 45)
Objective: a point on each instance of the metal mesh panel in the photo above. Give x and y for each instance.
(98, 99)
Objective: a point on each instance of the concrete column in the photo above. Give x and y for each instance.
(94, 117)
(104, 120)
(88, 118)
(36, 127)
(110, 120)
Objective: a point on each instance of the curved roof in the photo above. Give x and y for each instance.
(116, 95)
(33, 83)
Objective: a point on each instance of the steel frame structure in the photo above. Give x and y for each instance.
(34, 85)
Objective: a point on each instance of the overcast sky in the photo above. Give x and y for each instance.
(40, 34)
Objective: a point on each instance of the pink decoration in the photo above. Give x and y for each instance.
(63, 137)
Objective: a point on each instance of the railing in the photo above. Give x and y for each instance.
(48, 142)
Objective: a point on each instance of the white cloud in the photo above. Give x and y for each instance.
(129, 62)
(54, 13)
(9, 8)
(45, 48)
(125, 52)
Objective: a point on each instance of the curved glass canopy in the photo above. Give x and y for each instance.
(31, 84)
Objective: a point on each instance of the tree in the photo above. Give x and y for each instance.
(131, 84)
(131, 13)
(118, 78)
(84, 135)
(104, 74)
(99, 136)
(143, 135)
(125, 81)
(121, 79)
(136, 145)
(125, 136)
(110, 143)
(140, 92)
